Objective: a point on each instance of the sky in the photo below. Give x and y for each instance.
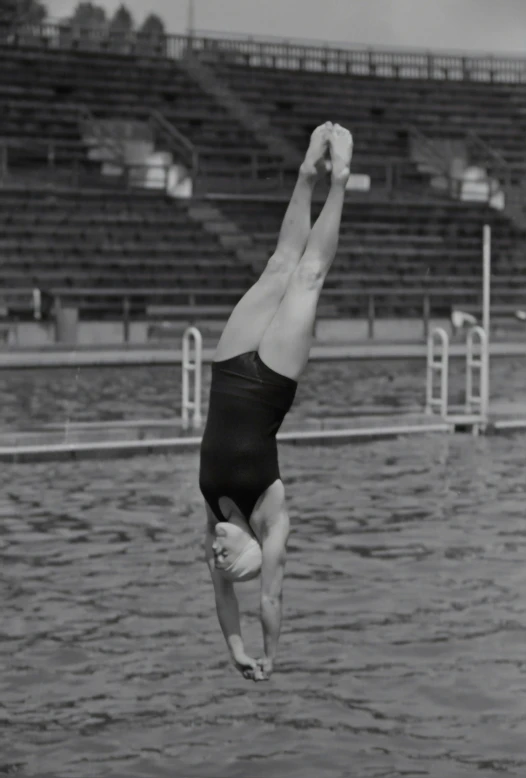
(492, 26)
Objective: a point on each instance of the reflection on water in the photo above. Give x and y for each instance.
(402, 651)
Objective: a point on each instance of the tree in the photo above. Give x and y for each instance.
(14, 13)
(86, 27)
(151, 36)
(89, 21)
(88, 14)
(122, 21)
(121, 30)
(153, 26)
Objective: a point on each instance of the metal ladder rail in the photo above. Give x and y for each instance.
(477, 402)
(440, 366)
(192, 404)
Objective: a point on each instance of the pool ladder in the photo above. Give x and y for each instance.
(476, 404)
(192, 364)
(438, 366)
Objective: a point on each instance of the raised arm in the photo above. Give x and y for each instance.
(274, 544)
(228, 613)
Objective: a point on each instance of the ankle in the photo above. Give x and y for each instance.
(340, 177)
(308, 172)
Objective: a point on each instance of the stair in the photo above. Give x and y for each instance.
(511, 180)
(258, 125)
(213, 221)
(435, 159)
(446, 160)
(515, 203)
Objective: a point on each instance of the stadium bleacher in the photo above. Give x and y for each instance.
(403, 236)
(99, 240)
(404, 245)
(381, 110)
(43, 95)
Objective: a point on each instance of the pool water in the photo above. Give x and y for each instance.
(404, 629)
(402, 650)
(33, 397)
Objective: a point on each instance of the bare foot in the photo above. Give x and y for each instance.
(341, 146)
(314, 162)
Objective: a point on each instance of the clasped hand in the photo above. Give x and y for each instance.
(253, 669)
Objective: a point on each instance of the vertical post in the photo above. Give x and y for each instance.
(57, 309)
(191, 19)
(389, 175)
(430, 65)
(37, 304)
(470, 364)
(486, 301)
(189, 366)
(126, 318)
(3, 161)
(370, 317)
(473, 363)
(426, 313)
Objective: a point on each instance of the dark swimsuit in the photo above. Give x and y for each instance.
(239, 453)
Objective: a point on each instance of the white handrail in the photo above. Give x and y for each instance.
(486, 303)
(440, 366)
(480, 363)
(192, 336)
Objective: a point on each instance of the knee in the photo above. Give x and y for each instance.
(310, 272)
(283, 262)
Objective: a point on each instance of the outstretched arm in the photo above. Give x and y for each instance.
(272, 571)
(228, 614)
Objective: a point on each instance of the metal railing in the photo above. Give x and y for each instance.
(66, 164)
(178, 144)
(213, 170)
(433, 153)
(501, 176)
(260, 171)
(437, 365)
(341, 44)
(192, 369)
(482, 154)
(55, 163)
(368, 61)
(477, 364)
(476, 403)
(126, 305)
(42, 160)
(279, 54)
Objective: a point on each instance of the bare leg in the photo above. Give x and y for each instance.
(286, 344)
(254, 312)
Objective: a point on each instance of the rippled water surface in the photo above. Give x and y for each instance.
(30, 397)
(404, 633)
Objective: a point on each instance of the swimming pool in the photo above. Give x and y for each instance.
(402, 651)
(33, 397)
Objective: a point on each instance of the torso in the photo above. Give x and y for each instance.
(239, 459)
